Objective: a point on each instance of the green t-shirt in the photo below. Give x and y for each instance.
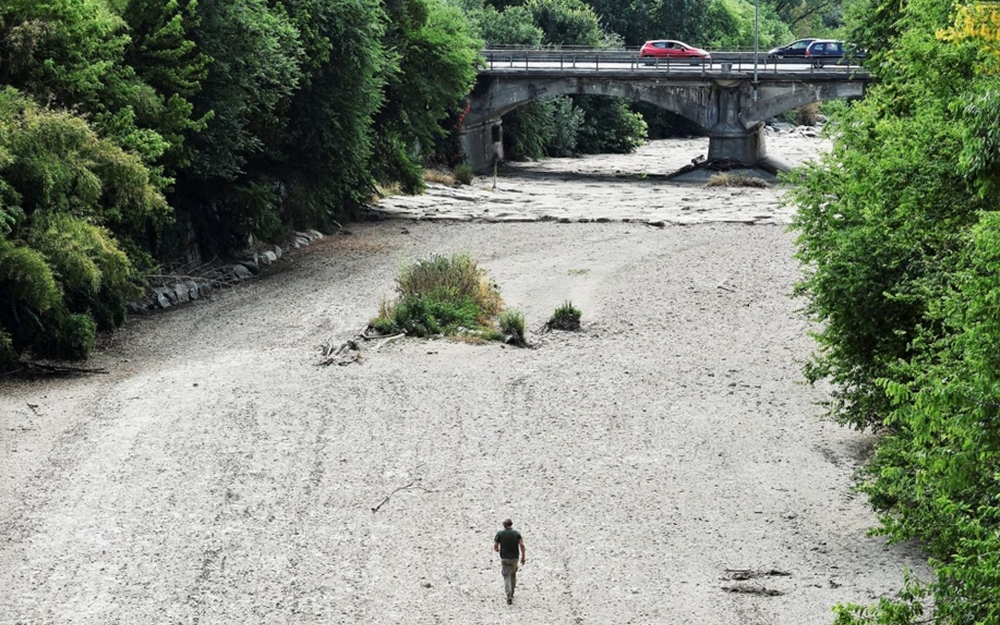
(509, 540)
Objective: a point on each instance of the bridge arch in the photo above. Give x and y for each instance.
(774, 100)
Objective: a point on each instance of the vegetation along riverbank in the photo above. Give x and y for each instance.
(140, 138)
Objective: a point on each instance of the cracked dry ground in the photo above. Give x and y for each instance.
(216, 474)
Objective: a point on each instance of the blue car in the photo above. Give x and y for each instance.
(796, 49)
(822, 51)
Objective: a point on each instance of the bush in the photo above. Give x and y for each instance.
(463, 173)
(511, 323)
(566, 317)
(727, 179)
(439, 295)
(439, 177)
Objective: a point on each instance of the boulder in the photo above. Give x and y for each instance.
(241, 272)
(160, 297)
(251, 265)
(180, 293)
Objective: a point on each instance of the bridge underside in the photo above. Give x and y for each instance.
(726, 108)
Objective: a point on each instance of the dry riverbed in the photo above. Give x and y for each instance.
(665, 465)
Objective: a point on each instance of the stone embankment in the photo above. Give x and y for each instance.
(172, 290)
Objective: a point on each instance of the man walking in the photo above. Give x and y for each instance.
(508, 542)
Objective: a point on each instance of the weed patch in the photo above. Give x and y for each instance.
(727, 179)
(511, 323)
(449, 296)
(566, 317)
(463, 173)
(438, 176)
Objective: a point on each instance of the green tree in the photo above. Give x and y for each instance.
(566, 22)
(513, 26)
(63, 190)
(330, 120)
(432, 70)
(229, 191)
(902, 250)
(163, 54)
(70, 54)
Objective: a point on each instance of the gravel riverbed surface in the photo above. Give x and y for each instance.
(666, 464)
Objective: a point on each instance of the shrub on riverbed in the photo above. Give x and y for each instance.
(463, 173)
(441, 295)
(566, 317)
(726, 179)
(439, 176)
(512, 325)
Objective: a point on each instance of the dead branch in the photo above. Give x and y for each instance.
(412, 484)
(745, 574)
(58, 369)
(350, 350)
(753, 590)
(385, 341)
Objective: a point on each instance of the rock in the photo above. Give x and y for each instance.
(241, 272)
(251, 265)
(180, 293)
(160, 297)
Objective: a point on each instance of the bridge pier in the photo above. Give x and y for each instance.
(483, 144)
(735, 143)
(729, 139)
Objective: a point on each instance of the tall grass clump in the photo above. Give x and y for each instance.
(439, 295)
(463, 173)
(511, 322)
(727, 179)
(566, 317)
(439, 176)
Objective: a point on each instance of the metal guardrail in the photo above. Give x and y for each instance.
(619, 60)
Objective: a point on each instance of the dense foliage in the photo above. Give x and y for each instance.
(900, 237)
(63, 189)
(204, 122)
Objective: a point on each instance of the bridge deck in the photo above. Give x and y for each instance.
(501, 62)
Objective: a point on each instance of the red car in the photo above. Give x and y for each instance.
(670, 50)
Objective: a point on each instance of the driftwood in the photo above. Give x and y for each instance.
(37, 367)
(744, 574)
(753, 590)
(740, 575)
(414, 483)
(350, 350)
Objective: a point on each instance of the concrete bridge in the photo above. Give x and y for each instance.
(730, 96)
